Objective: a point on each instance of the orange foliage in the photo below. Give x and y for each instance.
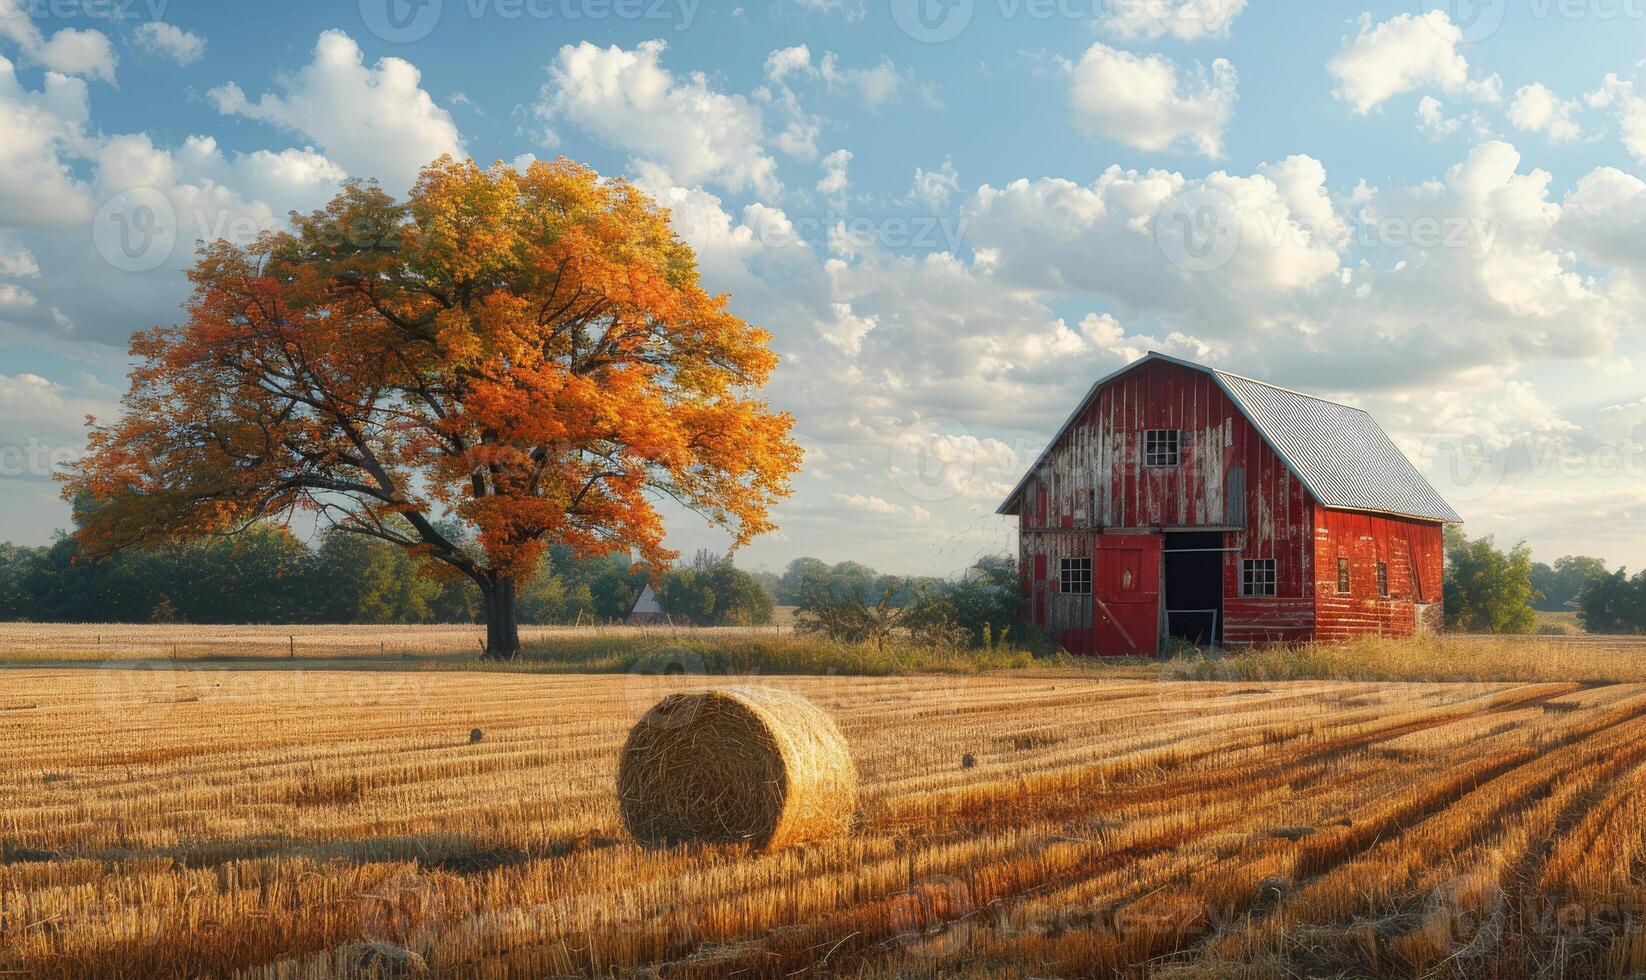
(530, 353)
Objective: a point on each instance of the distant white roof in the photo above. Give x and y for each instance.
(1338, 452)
(647, 603)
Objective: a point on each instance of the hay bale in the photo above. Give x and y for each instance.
(741, 765)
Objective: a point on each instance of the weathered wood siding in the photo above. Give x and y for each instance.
(1093, 481)
(1416, 560)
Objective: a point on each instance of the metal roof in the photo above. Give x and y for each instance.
(1339, 453)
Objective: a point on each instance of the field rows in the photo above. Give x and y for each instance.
(258, 824)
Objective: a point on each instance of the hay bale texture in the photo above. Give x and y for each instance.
(740, 765)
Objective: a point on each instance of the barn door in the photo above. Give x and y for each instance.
(1126, 595)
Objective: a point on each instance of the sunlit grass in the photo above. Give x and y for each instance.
(1430, 658)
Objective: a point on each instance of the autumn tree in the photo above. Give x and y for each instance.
(527, 356)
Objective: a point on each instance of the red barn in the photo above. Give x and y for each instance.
(1183, 501)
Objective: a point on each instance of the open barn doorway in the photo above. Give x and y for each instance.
(1194, 587)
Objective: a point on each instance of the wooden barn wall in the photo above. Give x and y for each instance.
(1093, 481)
(1416, 560)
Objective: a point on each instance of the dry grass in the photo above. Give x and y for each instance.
(1587, 658)
(257, 824)
(49, 642)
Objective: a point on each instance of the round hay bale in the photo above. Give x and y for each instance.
(740, 765)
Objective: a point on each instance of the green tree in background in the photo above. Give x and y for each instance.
(1560, 585)
(714, 592)
(1615, 603)
(1488, 590)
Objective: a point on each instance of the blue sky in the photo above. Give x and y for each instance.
(1431, 210)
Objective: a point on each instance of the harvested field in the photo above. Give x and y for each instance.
(260, 823)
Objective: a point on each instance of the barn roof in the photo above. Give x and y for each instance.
(1338, 452)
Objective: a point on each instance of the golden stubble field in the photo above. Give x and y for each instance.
(174, 822)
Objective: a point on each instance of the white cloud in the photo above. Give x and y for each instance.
(1184, 20)
(835, 181)
(69, 51)
(16, 261)
(1619, 96)
(14, 297)
(1140, 101)
(170, 42)
(782, 63)
(629, 100)
(1432, 118)
(46, 419)
(936, 187)
(43, 133)
(1103, 238)
(874, 87)
(1404, 54)
(1536, 109)
(374, 122)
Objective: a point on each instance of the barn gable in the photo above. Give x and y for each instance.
(1339, 453)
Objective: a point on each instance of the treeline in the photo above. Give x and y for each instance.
(266, 574)
(1489, 590)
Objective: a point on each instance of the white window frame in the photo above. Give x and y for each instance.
(1162, 448)
(1257, 574)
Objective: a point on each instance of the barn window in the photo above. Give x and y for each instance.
(1162, 447)
(1383, 579)
(1343, 575)
(1075, 577)
(1257, 578)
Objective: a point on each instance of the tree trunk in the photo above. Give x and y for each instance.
(502, 627)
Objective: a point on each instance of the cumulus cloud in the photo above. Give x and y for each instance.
(373, 122)
(44, 132)
(170, 42)
(1141, 101)
(1536, 109)
(936, 187)
(69, 51)
(683, 125)
(1432, 118)
(1404, 54)
(835, 182)
(1618, 96)
(1105, 237)
(1183, 20)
